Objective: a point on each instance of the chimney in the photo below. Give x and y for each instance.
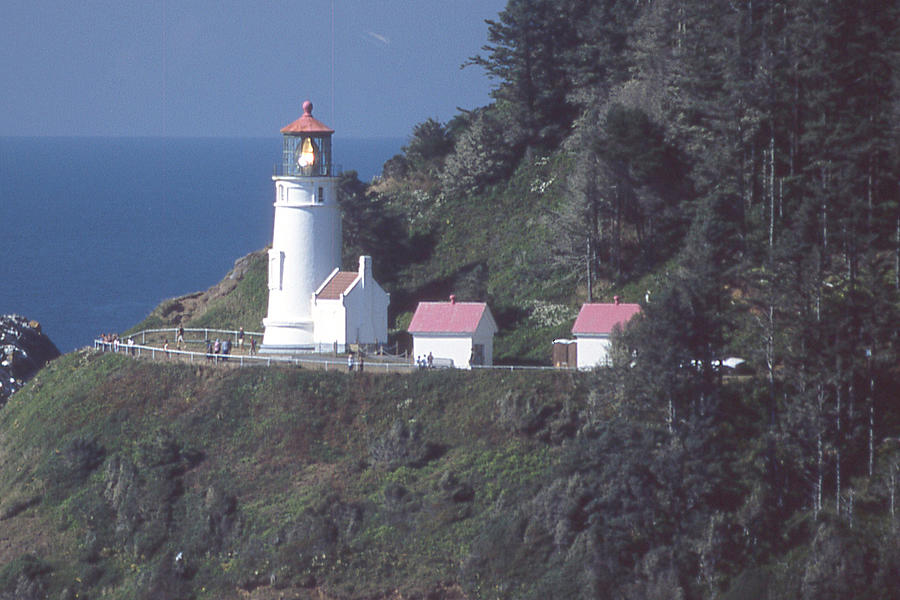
(365, 269)
(616, 300)
(452, 298)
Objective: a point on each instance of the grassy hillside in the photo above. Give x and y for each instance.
(129, 479)
(262, 479)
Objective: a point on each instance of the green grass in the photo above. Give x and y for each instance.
(291, 447)
(354, 487)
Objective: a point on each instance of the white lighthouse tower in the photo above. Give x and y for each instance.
(306, 241)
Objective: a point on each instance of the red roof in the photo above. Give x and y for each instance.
(306, 123)
(337, 285)
(447, 317)
(601, 318)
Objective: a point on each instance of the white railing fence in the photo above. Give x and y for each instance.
(240, 360)
(378, 363)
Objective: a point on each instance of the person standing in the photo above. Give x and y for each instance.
(350, 362)
(241, 339)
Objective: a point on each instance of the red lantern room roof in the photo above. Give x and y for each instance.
(306, 123)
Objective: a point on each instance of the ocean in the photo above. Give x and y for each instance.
(96, 232)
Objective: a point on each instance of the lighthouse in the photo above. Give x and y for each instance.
(306, 239)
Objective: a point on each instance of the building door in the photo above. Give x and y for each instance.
(477, 354)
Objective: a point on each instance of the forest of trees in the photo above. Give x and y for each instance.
(740, 159)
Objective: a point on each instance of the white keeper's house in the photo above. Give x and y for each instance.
(458, 334)
(593, 328)
(313, 305)
(350, 308)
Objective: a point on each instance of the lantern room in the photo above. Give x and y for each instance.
(307, 147)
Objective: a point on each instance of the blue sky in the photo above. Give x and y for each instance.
(373, 68)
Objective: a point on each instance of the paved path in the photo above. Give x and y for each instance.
(372, 364)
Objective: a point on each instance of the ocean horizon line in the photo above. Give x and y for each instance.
(391, 138)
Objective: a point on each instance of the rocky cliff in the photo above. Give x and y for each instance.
(24, 349)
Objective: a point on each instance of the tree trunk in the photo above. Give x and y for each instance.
(893, 485)
(618, 231)
(820, 474)
(590, 269)
(820, 462)
(671, 417)
(771, 183)
(897, 255)
(870, 400)
(824, 214)
(837, 482)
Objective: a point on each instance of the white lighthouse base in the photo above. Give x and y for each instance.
(287, 337)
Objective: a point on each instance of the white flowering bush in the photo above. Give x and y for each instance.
(547, 314)
(539, 187)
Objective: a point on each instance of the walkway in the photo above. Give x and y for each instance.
(152, 341)
(152, 346)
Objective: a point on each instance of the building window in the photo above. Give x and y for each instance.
(320, 198)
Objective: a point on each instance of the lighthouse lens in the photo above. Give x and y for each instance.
(307, 154)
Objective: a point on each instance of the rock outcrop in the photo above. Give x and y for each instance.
(24, 349)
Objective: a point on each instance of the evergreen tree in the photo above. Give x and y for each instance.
(370, 227)
(551, 59)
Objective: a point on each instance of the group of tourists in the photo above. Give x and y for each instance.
(110, 341)
(352, 362)
(214, 348)
(425, 362)
(110, 338)
(222, 348)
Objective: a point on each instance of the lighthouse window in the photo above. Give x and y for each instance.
(276, 269)
(321, 196)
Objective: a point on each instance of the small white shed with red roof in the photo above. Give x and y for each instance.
(461, 332)
(593, 327)
(350, 308)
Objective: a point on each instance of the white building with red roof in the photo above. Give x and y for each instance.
(461, 333)
(593, 327)
(350, 308)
